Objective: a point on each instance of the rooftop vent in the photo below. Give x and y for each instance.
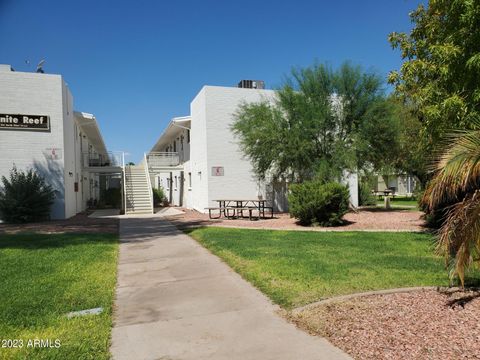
(252, 84)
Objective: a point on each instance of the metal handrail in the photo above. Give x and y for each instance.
(162, 159)
(124, 185)
(111, 158)
(150, 191)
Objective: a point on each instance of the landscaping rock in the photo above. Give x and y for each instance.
(426, 324)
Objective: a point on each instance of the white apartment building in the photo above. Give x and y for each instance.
(197, 159)
(39, 129)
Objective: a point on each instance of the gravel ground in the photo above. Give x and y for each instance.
(80, 223)
(367, 219)
(424, 324)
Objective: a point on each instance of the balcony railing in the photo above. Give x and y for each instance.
(162, 159)
(102, 160)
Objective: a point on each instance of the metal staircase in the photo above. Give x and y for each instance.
(138, 190)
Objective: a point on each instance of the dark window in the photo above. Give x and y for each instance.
(174, 146)
(188, 136)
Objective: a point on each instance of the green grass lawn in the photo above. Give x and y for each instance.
(400, 202)
(295, 268)
(42, 278)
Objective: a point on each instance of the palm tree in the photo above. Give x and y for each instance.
(457, 181)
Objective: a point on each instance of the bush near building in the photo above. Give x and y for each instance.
(316, 203)
(158, 196)
(25, 197)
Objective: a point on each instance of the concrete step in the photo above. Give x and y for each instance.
(138, 201)
(138, 207)
(144, 199)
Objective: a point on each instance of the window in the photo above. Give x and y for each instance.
(188, 136)
(190, 180)
(181, 142)
(174, 146)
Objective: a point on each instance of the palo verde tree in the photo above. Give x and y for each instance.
(322, 122)
(440, 79)
(440, 75)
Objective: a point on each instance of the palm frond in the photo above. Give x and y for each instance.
(457, 171)
(459, 237)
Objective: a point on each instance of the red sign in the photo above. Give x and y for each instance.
(218, 171)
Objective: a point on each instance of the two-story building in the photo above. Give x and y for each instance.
(40, 130)
(197, 158)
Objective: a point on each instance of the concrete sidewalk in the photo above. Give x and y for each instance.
(175, 300)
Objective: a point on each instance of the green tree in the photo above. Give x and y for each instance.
(412, 156)
(322, 122)
(378, 143)
(440, 75)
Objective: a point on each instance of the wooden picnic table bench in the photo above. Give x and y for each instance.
(238, 212)
(234, 208)
(210, 209)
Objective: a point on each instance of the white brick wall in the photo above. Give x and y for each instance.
(45, 94)
(198, 198)
(222, 147)
(36, 94)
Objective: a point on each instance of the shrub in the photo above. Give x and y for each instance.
(158, 196)
(25, 197)
(365, 196)
(319, 204)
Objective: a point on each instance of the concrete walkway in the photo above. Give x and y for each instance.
(175, 300)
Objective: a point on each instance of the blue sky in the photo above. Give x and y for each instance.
(136, 64)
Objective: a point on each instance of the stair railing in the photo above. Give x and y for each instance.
(124, 185)
(147, 173)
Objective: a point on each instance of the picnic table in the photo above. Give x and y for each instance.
(385, 192)
(235, 208)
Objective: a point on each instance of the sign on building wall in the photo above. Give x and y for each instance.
(24, 122)
(217, 171)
